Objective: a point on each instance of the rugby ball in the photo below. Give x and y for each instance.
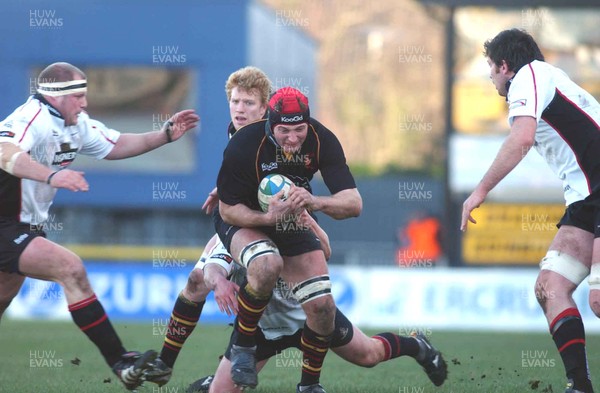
(271, 185)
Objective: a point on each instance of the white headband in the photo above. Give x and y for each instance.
(56, 89)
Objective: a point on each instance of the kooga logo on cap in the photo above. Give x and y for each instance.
(292, 119)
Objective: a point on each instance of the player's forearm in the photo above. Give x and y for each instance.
(18, 163)
(344, 204)
(242, 216)
(323, 237)
(131, 145)
(214, 275)
(514, 148)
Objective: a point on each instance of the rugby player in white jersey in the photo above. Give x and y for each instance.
(38, 142)
(549, 112)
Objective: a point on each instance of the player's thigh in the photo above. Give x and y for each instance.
(10, 284)
(566, 264)
(299, 268)
(47, 260)
(242, 238)
(575, 242)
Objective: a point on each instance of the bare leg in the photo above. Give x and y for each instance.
(555, 295)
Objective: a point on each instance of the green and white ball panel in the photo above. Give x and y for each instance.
(271, 185)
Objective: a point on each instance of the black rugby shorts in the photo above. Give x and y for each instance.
(290, 240)
(14, 238)
(584, 215)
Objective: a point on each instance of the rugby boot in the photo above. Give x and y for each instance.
(201, 386)
(243, 366)
(316, 388)
(159, 373)
(431, 360)
(130, 369)
(571, 388)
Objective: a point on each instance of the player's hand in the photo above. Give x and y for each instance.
(301, 199)
(70, 180)
(279, 208)
(182, 122)
(307, 221)
(471, 203)
(225, 296)
(212, 200)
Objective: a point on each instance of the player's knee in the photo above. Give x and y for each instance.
(368, 360)
(595, 304)
(541, 291)
(196, 289)
(548, 289)
(261, 254)
(559, 276)
(594, 282)
(264, 271)
(322, 308)
(73, 272)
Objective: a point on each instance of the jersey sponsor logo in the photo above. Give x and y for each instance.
(517, 103)
(294, 119)
(64, 158)
(269, 167)
(7, 134)
(20, 239)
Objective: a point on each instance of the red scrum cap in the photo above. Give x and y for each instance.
(288, 106)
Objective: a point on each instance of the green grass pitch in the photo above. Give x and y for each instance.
(56, 357)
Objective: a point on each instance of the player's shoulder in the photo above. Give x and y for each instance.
(321, 132)
(31, 109)
(536, 70)
(31, 115)
(317, 125)
(250, 132)
(86, 121)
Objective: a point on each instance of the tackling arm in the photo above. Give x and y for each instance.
(321, 234)
(131, 145)
(18, 163)
(514, 148)
(225, 291)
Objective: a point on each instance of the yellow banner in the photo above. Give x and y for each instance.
(511, 233)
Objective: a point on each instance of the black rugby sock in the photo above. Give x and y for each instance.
(314, 348)
(184, 317)
(250, 308)
(568, 334)
(395, 345)
(89, 315)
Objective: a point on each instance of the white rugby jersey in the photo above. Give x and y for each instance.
(568, 125)
(39, 129)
